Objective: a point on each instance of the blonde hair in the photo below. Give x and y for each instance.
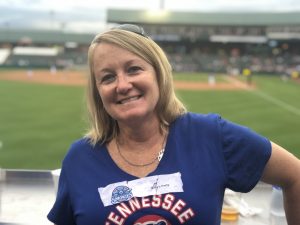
(102, 126)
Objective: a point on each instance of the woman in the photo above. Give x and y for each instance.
(146, 160)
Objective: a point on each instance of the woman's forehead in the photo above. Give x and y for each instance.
(107, 56)
(105, 51)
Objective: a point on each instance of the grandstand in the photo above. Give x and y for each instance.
(221, 42)
(43, 49)
(194, 41)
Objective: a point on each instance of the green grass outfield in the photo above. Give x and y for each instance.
(38, 122)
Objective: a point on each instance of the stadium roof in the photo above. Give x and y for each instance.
(44, 36)
(201, 18)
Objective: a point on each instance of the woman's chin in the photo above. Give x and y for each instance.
(135, 117)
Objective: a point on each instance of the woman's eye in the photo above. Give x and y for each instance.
(134, 69)
(106, 79)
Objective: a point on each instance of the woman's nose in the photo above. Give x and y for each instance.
(123, 84)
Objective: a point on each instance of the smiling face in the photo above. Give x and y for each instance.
(126, 83)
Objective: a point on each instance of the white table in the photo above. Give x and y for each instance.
(26, 197)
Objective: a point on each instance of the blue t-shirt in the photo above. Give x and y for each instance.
(210, 153)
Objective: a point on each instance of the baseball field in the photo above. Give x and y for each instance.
(42, 113)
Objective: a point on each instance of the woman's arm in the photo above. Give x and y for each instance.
(283, 169)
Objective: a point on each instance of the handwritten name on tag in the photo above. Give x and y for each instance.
(147, 186)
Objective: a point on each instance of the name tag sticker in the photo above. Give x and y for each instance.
(146, 186)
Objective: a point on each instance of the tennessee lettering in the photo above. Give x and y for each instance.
(166, 202)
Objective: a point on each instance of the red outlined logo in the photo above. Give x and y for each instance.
(152, 220)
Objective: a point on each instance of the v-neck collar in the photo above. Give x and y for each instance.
(123, 174)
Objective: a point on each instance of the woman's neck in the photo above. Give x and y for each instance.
(140, 128)
(140, 132)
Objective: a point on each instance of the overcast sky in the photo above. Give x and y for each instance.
(90, 15)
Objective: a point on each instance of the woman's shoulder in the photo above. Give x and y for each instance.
(198, 118)
(80, 147)
(197, 122)
(79, 144)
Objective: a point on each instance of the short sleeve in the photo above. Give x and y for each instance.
(246, 154)
(61, 212)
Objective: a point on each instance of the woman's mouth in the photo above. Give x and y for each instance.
(129, 99)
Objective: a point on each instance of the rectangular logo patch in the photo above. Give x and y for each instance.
(146, 186)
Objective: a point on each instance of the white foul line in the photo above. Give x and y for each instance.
(277, 102)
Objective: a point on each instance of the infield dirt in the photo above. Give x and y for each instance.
(79, 78)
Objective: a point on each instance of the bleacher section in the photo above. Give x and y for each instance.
(194, 42)
(32, 57)
(43, 49)
(265, 42)
(44, 57)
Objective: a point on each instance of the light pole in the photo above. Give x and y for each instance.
(162, 4)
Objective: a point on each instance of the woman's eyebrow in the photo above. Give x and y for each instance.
(105, 70)
(132, 61)
(100, 73)
(109, 70)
